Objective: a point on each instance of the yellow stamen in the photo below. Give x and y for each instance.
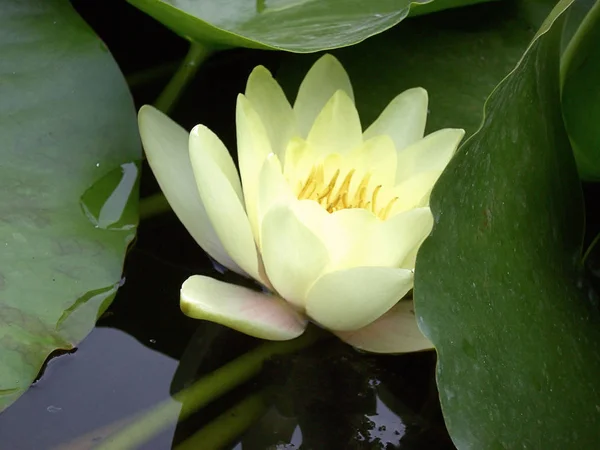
(333, 199)
(325, 195)
(374, 199)
(383, 215)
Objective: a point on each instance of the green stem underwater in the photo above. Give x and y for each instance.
(153, 205)
(229, 425)
(196, 55)
(205, 390)
(590, 248)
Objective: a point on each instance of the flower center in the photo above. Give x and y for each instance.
(334, 196)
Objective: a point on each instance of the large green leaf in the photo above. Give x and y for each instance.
(581, 94)
(496, 286)
(67, 184)
(300, 26)
(458, 56)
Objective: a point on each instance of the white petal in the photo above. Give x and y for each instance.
(293, 256)
(350, 299)
(253, 148)
(430, 154)
(323, 79)
(275, 111)
(225, 211)
(394, 332)
(337, 128)
(250, 312)
(403, 119)
(166, 145)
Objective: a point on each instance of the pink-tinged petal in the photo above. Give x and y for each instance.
(394, 332)
(254, 313)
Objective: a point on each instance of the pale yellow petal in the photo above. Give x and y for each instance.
(324, 78)
(394, 332)
(225, 211)
(403, 119)
(372, 242)
(273, 187)
(299, 161)
(293, 256)
(254, 313)
(347, 300)
(337, 128)
(253, 148)
(430, 154)
(376, 156)
(166, 146)
(275, 111)
(355, 237)
(415, 191)
(203, 139)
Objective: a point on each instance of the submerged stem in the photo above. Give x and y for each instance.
(202, 392)
(225, 428)
(153, 206)
(196, 55)
(590, 248)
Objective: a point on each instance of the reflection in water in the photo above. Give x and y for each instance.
(387, 426)
(109, 378)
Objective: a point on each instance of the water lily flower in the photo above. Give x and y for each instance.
(327, 217)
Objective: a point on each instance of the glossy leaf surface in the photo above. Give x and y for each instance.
(581, 94)
(68, 184)
(457, 56)
(300, 26)
(496, 286)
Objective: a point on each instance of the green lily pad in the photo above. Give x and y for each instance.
(68, 184)
(300, 26)
(581, 94)
(497, 283)
(458, 56)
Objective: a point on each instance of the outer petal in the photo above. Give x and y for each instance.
(337, 128)
(430, 154)
(225, 210)
(403, 119)
(324, 78)
(253, 148)
(166, 145)
(272, 106)
(394, 332)
(204, 140)
(293, 256)
(350, 299)
(254, 313)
